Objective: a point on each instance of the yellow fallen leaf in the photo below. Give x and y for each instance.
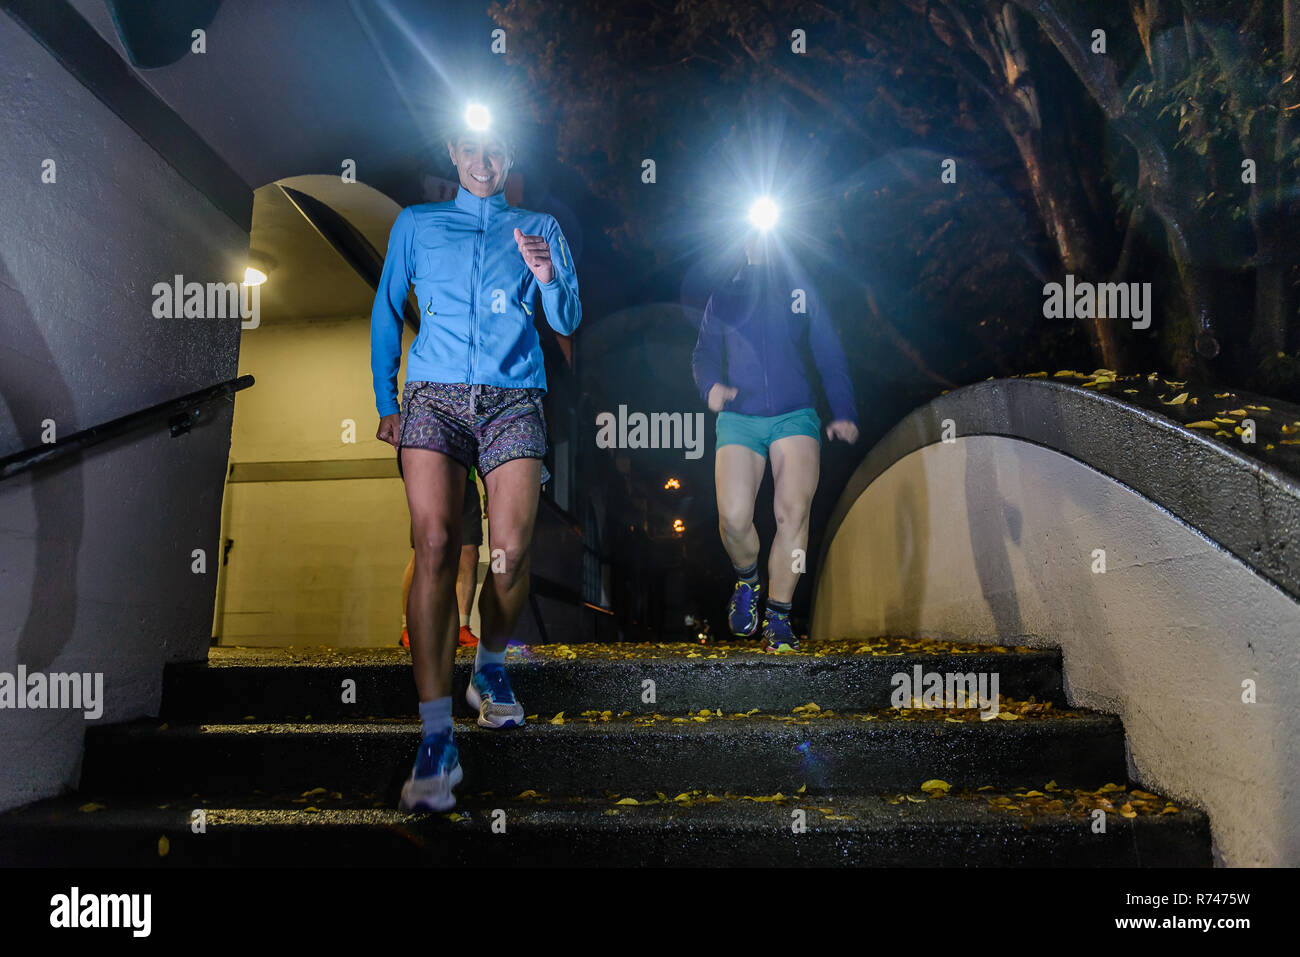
(627, 801)
(164, 846)
(1008, 716)
(453, 816)
(1179, 399)
(558, 719)
(1126, 810)
(1204, 424)
(1236, 412)
(934, 784)
(1035, 375)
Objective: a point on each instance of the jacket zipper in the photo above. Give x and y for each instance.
(762, 318)
(473, 296)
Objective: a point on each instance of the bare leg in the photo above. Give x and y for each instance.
(406, 581)
(512, 490)
(796, 466)
(737, 473)
(435, 489)
(466, 579)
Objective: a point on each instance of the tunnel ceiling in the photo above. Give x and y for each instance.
(282, 91)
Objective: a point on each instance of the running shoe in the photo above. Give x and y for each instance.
(742, 613)
(490, 693)
(405, 640)
(467, 638)
(436, 772)
(777, 634)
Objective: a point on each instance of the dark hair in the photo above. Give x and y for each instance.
(455, 134)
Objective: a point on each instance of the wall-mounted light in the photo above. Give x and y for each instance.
(672, 483)
(258, 268)
(679, 526)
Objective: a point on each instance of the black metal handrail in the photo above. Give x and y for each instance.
(181, 414)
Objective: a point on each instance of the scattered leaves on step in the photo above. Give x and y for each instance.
(90, 807)
(558, 719)
(935, 786)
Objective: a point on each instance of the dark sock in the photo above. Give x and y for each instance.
(748, 575)
(780, 608)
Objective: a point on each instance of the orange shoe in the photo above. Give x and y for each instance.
(405, 640)
(467, 638)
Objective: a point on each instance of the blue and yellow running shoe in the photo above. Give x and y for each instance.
(778, 637)
(490, 693)
(436, 772)
(742, 613)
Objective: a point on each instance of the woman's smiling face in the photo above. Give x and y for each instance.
(482, 161)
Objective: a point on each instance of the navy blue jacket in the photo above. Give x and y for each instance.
(751, 338)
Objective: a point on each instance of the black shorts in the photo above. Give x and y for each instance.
(471, 516)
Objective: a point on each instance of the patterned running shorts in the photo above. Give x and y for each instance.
(480, 426)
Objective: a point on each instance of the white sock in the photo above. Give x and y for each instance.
(484, 657)
(464, 621)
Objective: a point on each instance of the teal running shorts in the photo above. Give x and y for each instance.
(757, 432)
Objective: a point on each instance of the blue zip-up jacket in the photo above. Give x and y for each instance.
(475, 294)
(752, 339)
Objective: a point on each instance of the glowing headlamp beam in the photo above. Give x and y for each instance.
(764, 213)
(477, 117)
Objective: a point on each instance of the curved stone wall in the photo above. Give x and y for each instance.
(1032, 538)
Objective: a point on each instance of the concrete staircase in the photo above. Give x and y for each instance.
(635, 755)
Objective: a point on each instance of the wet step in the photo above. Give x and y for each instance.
(821, 750)
(278, 684)
(1043, 825)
